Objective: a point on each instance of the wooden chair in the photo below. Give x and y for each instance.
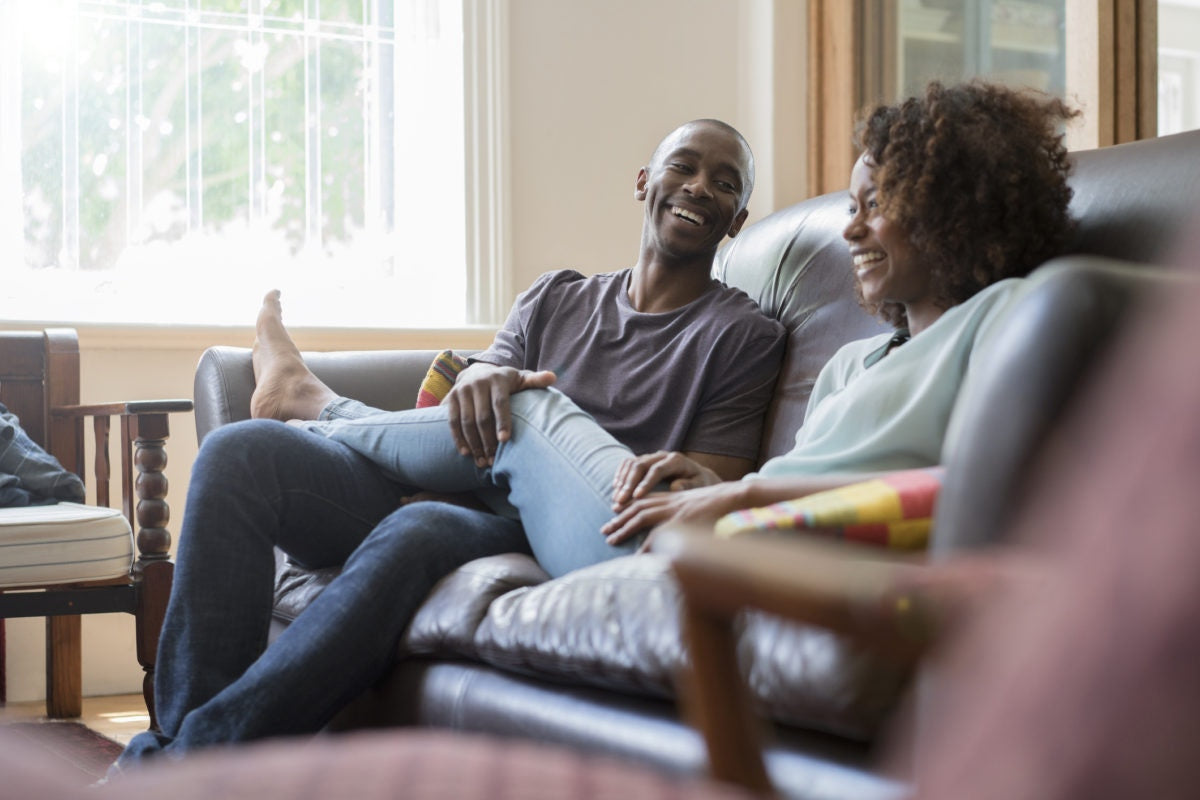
(39, 382)
(872, 595)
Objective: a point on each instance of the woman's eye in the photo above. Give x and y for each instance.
(852, 210)
(726, 186)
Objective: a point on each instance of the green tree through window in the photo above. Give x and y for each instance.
(203, 151)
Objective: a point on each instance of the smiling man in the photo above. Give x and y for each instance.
(660, 354)
(612, 341)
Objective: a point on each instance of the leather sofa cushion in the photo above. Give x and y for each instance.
(616, 625)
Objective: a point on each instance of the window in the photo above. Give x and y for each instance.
(1178, 66)
(1016, 42)
(1100, 54)
(170, 161)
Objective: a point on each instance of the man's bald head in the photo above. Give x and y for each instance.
(746, 165)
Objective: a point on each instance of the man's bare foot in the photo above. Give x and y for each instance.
(285, 388)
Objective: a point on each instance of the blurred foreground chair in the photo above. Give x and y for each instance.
(1013, 403)
(61, 561)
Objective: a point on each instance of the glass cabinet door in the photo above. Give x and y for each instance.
(910, 42)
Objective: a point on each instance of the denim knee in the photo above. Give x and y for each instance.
(233, 442)
(440, 536)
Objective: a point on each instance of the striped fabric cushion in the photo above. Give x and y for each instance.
(63, 543)
(895, 511)
(440, 378)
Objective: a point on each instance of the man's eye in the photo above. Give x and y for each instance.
(726, 186)
(680, 166)
(852, 210)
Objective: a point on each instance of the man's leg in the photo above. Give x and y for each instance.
(254, 485)
(558, 468)
(347, 637)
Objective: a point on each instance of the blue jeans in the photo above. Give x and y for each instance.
(259, 485)
(557, 469)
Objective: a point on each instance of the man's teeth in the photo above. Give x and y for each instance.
(862, 259)
(691, 217)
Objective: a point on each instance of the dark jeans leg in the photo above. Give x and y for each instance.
(260, 484)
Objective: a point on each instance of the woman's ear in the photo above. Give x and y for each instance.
(639, 186)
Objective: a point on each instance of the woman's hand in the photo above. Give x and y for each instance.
(706, 504)
(637, 476)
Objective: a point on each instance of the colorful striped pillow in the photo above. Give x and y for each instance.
(440, 378)
(895, 511)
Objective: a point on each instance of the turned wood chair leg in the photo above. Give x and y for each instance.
(64, 667)
(152, 609)
(153, 566)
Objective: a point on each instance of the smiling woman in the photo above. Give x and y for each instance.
(156, 154)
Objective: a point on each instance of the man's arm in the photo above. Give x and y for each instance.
(480, 411)
(480, 414)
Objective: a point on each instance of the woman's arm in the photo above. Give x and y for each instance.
(710, 503)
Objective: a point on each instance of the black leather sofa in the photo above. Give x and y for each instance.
(485, 653)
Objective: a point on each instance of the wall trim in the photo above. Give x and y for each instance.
(95, 336)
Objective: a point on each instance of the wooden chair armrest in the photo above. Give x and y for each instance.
(870, 593)
(847, 588)
(130, 407)
(144, 430)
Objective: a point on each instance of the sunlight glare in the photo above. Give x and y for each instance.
(46, 26)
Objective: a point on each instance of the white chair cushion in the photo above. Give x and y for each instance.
(63, 543)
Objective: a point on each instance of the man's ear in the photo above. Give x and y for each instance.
(639, 187)
(738, 222)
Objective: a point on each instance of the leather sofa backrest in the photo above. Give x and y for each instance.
(387, 379)
(1021, 384)
(795, 265)
(1131, 202)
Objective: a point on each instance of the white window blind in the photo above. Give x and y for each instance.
(170, 161)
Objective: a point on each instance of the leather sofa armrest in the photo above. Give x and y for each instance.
(384, 379)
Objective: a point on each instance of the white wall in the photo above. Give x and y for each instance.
(593, 86)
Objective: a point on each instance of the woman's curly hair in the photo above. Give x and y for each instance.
(976, 173)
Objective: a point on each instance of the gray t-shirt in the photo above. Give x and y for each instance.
(698, 378)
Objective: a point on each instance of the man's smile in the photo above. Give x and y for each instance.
(690, 216)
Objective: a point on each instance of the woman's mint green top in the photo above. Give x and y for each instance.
(869, 412)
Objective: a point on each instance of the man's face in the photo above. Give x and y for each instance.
(695, 189)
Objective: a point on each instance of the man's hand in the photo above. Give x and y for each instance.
(480, 415)
(704, 505)
(637, 476)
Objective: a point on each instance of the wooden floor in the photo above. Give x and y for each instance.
(118, 717)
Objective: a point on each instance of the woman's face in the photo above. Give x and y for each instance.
(886, 265)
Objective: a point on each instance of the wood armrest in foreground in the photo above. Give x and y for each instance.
(865, 592)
